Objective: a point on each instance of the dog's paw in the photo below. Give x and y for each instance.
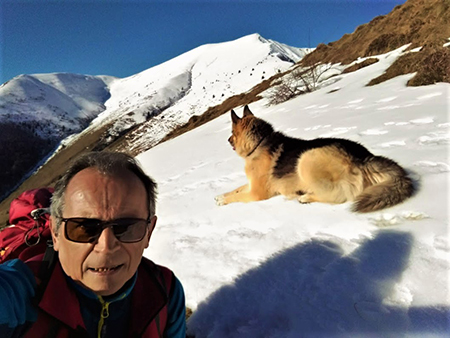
(220, 200)
(304, 199)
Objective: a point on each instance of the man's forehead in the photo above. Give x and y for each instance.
(94, 174)
(91, 190)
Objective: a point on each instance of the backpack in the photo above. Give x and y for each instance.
(29, 232)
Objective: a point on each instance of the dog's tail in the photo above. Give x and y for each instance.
(387, 184)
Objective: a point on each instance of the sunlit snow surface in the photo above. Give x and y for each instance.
(277, 268)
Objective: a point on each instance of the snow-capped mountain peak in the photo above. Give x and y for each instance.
(187, 85)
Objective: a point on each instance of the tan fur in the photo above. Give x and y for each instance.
(323, 174)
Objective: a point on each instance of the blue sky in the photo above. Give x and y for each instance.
(122, 38)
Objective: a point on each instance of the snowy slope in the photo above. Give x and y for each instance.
(277, 268)
(187, 85)
(63, 103)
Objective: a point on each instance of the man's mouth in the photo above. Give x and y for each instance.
(106, 269)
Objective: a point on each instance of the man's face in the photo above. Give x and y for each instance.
(105, 265)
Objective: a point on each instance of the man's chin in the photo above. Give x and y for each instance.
(104, 282)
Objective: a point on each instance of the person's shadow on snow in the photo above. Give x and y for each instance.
(314, 290)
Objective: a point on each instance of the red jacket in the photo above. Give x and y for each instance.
(59, 312)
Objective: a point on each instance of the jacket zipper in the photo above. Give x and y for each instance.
(103, 315)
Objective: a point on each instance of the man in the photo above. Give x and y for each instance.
(102, 218)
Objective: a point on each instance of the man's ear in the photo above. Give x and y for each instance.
(234, 118)
(247, 111)
(151, 227)
(55, 238)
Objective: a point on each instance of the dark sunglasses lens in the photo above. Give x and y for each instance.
(83, 230)
(87, 230)
(130, 230)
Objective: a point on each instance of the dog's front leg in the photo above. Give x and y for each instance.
(255, 191)
(228, 197)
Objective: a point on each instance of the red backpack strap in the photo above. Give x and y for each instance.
(150, 298)
(165, 279)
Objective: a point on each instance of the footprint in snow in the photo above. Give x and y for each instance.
(337, 131)
(391, 144)
(386, 219)
(288, 130)
(442, 243)
(435, 138)
(426, 120)
(388, 99)
(370, 132)
(433, 167)
(388, 108)
(317, 127)
(429, 96)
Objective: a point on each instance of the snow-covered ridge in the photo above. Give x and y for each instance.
(187, 85)
(64, 101)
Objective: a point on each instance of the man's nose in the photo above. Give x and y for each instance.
(107, 241)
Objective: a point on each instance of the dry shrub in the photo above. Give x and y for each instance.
(434, 68)
(360, 65)
(431, 65)
(297, 82)
(385, 43)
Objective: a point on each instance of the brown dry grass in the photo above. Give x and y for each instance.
(358, 66)
(431, 65)
(419, 22)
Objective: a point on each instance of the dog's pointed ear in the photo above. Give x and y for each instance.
(234, 117)
(247, 111)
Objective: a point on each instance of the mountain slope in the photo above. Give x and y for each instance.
(37, 112)
(418, 22)
(43, 109)
(423, 25)
(165, 96)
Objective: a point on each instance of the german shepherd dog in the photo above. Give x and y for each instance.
(328, 170)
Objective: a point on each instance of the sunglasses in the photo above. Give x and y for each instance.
(88, 230)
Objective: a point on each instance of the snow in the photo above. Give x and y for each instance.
(61, 102)
(277, 268)
(189, 84)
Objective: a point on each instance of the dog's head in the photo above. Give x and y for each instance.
(247, 132)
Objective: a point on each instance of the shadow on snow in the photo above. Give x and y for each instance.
(314, 290)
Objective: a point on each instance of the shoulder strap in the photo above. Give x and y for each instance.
(45, 271)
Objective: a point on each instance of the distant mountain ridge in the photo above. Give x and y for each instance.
(46, 108)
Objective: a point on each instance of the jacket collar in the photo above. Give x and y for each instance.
(60, 300)
(148, 297)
